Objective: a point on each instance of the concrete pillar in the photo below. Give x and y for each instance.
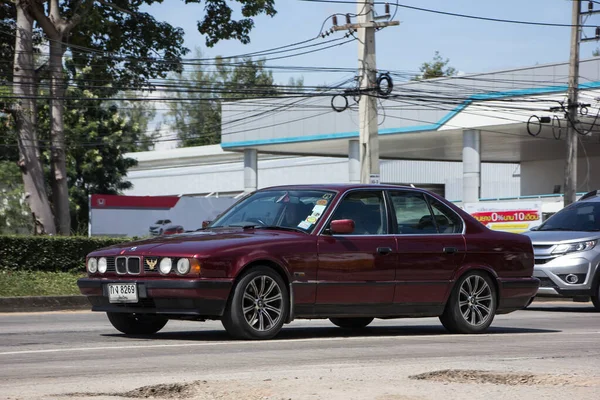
(354, 161)
(471, 166)
(250, 170)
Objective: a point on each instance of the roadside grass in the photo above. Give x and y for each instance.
(38, 283)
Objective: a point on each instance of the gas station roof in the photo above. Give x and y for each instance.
(425, 120)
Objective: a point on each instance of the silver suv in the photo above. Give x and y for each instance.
(567, 252)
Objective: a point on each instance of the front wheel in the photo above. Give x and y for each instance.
(596, 298)
(351, 323)
(472, 304)
(259, 305)
(136, 324)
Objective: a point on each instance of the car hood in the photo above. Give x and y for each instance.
(192, 243)
(552, 237)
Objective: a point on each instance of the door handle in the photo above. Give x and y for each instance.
(450, 250)
(384, 250)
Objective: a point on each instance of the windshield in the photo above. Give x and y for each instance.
(578, 217)
(295, 209)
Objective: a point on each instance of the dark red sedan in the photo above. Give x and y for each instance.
(350, 253)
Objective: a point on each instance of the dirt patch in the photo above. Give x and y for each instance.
(500, 378)
(197, 390)
(164, 391)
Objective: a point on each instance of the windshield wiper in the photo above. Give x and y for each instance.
(275, 227)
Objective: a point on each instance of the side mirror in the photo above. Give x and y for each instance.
(342, 226)
(205, 223)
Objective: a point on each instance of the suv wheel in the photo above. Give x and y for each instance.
(472, 304)
(596, 298)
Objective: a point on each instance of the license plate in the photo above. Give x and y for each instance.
(122, 293)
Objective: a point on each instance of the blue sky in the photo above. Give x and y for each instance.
(471, 46)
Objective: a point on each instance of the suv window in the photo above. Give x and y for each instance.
(584, 216)
(447, 220)
(412, 213)
(367, 210)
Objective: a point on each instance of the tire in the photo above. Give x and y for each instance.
(258, 307)
(472, 305)
(351, 323)
(136, 324)
(596, 297)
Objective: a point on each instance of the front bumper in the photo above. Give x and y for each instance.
(183, 297)
(553, 272)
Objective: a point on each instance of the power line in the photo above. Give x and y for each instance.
(455, 14)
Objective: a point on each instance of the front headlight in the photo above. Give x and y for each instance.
(92, 265)
(183, 266)
(165, 265)
(102, 265)
(574, 247)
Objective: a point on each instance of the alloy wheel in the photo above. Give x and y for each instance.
(262, 304)
(475, 300)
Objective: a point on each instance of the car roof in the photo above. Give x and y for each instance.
(594, 195)
(336, 186)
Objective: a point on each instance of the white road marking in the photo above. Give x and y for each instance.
(275, 341)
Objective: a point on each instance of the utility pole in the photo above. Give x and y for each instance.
(367, 75)
(572, 108)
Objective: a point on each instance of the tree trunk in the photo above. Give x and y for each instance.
(25, 113)
(58, 181)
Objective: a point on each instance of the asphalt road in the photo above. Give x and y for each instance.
(79, 355)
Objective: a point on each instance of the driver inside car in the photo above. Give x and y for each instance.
(294, 214)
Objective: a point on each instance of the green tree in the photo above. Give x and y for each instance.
(437, 68)
(14, 213)
(196, 117)
(139, 114)
(123, 46)
(98, 134)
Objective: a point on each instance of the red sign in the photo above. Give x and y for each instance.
(486, 217)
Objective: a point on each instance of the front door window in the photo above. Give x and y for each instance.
(367, 210)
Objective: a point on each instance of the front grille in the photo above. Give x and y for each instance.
(540, 261)
(133, 265)
(110, 264)
(121, 265)
(547, 283)
(542, 246)
(128, 265)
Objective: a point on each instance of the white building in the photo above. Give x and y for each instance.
(209, 170)
(427, 127)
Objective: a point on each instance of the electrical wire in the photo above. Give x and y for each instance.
(534, 23)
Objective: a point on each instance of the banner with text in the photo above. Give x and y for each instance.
(509, 216)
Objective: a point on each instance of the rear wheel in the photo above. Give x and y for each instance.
(259, 305)
(472, 304)
(136, 324)
(351, 323)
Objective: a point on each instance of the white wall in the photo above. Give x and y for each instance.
(539, 177)
(227, 177)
